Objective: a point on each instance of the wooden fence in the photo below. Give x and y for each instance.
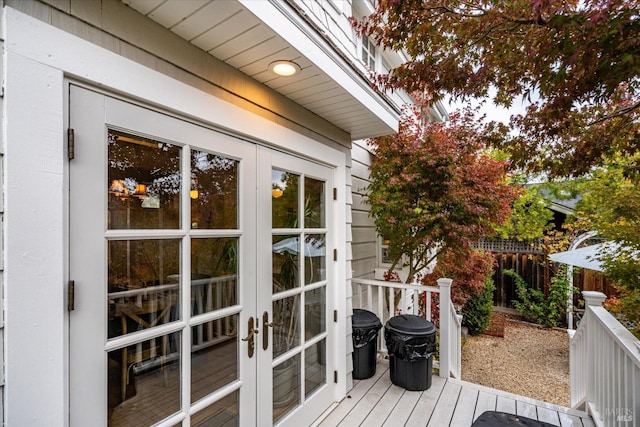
(537, 272)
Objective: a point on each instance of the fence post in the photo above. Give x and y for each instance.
(445, 327)
(591, 299)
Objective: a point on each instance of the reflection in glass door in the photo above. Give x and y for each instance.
(144, 280)
(193, 306)
(299, 289)
(156, 253)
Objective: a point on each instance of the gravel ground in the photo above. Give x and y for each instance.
(528, 361)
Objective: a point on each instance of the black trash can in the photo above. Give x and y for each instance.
(365, 325)
(411, 343)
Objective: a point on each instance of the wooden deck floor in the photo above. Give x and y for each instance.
(377, 402)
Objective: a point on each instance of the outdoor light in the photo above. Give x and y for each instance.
(284, 68)
(276, 193)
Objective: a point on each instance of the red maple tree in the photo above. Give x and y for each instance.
(578, 60)
(434, 187)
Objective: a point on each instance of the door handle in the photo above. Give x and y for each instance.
(267, 324)
(249, 338)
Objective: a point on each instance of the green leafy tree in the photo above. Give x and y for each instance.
(578, 61)
(433, 188)
(611, 205)
(530, 219)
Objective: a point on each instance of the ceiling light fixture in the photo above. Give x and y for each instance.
(284, 68)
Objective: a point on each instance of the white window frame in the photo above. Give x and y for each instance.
(368, 53)
(382, 247)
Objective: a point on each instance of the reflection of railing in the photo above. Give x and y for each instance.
(211, 294)
(152, 306)
(374, 295)
(605, 367)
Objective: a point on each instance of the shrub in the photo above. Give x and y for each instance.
(535, 306)
(476, 313)
(468, 272)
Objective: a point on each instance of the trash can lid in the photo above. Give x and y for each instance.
(365, 319)
(411, 324)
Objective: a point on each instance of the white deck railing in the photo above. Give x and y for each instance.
(375, 295)
(605, 367)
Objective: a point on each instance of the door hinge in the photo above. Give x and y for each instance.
(335, 254)
(71, 295)
(71, 142)
(335, 316)
(335, 377)
(335, 193)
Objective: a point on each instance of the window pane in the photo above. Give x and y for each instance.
(214, 356)
(213, 274)
(314, 312)
(284, 199)
(314, 258)
(314, 207)
(143, 284)
(286, 319)
(214, 191)
(143, 183)
(223, 413)
(285, 262)
(286, 387)
(315, 374)
(144, 382)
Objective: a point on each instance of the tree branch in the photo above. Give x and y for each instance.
(617, 113)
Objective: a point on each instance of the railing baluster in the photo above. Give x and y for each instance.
(380, 299)
(380, 292)
(606, 355)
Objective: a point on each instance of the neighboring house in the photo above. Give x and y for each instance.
(181, 224)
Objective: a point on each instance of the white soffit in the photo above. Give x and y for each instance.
(250, 34)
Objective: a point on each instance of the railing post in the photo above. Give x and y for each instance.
(591, 299)
(445, 327)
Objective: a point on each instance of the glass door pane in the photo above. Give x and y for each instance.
(143, 183)
(143, 276)
(299, 280)
(156, 246)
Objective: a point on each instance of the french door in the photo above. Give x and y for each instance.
(202, 277)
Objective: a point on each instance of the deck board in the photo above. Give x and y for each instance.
(358, 391)
(367, 404)
(486, 402)
(505, 404)
(465, 407)
(381, 411)
(401, 412)
(567, 420)
(448, 402)
(548, 416)
(426, 404)
(443, 412)
(526, 409)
